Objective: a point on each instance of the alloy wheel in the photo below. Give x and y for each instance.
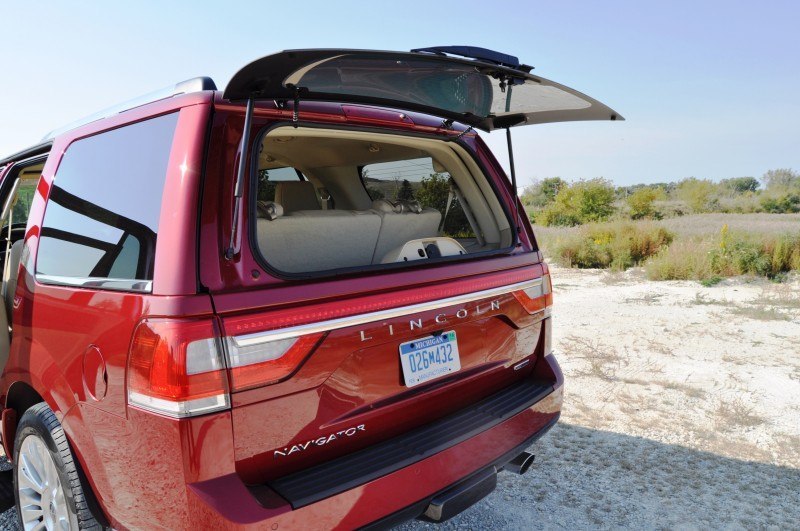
(41, 494)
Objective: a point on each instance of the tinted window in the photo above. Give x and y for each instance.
(22, 204)
(102, 216)
(268, 178)
(417, 180)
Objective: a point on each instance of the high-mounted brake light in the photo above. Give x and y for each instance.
(176, 368)
(259, 363)
(536, 298)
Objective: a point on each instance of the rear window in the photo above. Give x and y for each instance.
(368, 199)
(268, 178)
(102, 215)
(418, 180)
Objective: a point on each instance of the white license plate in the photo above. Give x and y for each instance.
(429, 357)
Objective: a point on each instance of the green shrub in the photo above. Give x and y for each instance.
(710, 282)
(788, 203)
(683, 260)
(699, 194)
(641, 202)
(729, 255)
(581, 202)
(617, 245)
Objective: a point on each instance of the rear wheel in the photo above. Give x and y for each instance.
(48, 490)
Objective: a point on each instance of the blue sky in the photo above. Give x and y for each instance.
(709, 89)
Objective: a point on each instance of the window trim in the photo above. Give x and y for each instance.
(99, 283)
(368, 268)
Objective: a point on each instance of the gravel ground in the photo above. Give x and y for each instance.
(681, 411)
(8, 518)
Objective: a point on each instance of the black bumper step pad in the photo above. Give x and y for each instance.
(333, 477)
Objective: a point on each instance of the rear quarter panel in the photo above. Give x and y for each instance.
(54, 326)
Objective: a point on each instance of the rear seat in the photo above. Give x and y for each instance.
(316, 240)
(296, 195)
(402, 222)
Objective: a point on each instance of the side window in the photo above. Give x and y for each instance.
(25, 179)
(102, 216)
(268, 178)
(28, 180)
(417, 180)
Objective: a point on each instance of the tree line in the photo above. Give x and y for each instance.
(554, 201)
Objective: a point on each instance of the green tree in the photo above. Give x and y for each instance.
(406, 192)
(781, 179)
(741, 185)
(433, 192)
(542, 193)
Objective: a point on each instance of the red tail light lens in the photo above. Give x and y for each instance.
(536, 298)
(176, 368)
(257, 362)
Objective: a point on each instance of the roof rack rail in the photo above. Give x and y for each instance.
(196, 84)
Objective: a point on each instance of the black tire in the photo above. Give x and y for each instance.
(40, 421)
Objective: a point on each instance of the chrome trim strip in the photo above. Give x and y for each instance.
(111, 284)
(344, 322)
(182, 408)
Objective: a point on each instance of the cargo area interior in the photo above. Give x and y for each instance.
(330, 199)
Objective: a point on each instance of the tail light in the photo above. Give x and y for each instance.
(536, 298)
(256, 362)
(176, 368)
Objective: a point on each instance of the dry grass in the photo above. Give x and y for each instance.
(616, 245)
(646, 298)
(760, 313)
(711, 224)
(704, 247)
(780, 296)
(736, 412)
(700, 299)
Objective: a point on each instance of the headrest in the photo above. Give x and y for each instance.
(268, 209)
(296, 195)
(398, 207)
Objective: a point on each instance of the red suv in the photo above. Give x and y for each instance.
(311, 300)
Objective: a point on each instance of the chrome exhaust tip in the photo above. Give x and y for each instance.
(521, 463)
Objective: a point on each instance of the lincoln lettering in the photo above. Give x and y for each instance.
(441, 318)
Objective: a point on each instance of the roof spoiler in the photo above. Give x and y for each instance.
(475, 52)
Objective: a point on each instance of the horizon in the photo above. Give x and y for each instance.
(707, 91)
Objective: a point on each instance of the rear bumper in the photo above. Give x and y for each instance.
(416, 510)
(226, 503)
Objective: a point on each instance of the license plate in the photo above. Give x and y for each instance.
(429, 357)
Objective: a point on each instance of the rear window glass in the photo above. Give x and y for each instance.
(369, 200)
(417, 180)
(102, 215)
(268, 179)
